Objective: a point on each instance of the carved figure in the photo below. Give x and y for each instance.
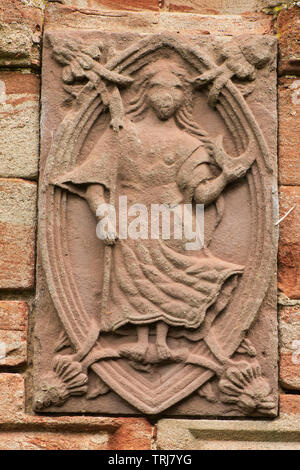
(161, 157)
(166, 320)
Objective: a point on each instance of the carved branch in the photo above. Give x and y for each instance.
(83, 62)
(240, 61)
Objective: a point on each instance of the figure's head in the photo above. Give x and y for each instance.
(162, 87)
(165, 93)
(165, 87)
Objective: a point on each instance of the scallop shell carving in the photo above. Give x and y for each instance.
(66, 380)
(244, 386)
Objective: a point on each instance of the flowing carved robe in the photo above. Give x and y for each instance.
(153, 280)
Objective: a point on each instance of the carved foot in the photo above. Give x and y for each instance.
(181, 355)
(145, 368)
(116, 124)
(163, 352)
(135, 352)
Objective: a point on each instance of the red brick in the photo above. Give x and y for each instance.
(290, 314)
(288, 29)
(13, 415)
(27, 440)
(19, 120)
(134, 434)
(20, 83)
(289, 372)
(20, 34)
(11, 399)
(290, 404)
(289, 243)
(130, 433)
(34, 440)
(13, 315)
(289, 131)
(16, 11)
(13, 334)
(13, 348)
(289, 347)
(17, 233)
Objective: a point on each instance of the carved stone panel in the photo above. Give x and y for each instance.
(130, 319)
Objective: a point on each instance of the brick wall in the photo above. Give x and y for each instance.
(21, 23)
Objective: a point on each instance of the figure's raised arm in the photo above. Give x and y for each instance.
(200, 179)
(209, 189)
(203, 176)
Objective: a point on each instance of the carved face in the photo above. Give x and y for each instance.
(165, 94)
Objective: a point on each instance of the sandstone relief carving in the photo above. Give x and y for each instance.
(137, 317)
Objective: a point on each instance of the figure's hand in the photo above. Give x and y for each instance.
(110, 237)
(233, 173)
(234, 168)
(107, 233)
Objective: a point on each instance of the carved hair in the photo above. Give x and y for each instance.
(138, 106)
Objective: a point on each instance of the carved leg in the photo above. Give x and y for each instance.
(163, 350)
(137, 351)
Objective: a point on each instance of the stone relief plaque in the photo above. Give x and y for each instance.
(140, 310)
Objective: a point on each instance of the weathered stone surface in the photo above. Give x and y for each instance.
(289, 130)
(13, 333)
(19, 120)
(190, 6)
(288, 28)
(231, 7)
(280, 434)
(231, 25)
(17, 229)
(145, 335)
(285, 301)
(289, 244)
(35, 3)
(71, 17)
(20, 33)
(12, 348)
(290, 347)
(132, 5)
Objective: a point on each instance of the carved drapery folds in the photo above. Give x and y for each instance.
(143, 325)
